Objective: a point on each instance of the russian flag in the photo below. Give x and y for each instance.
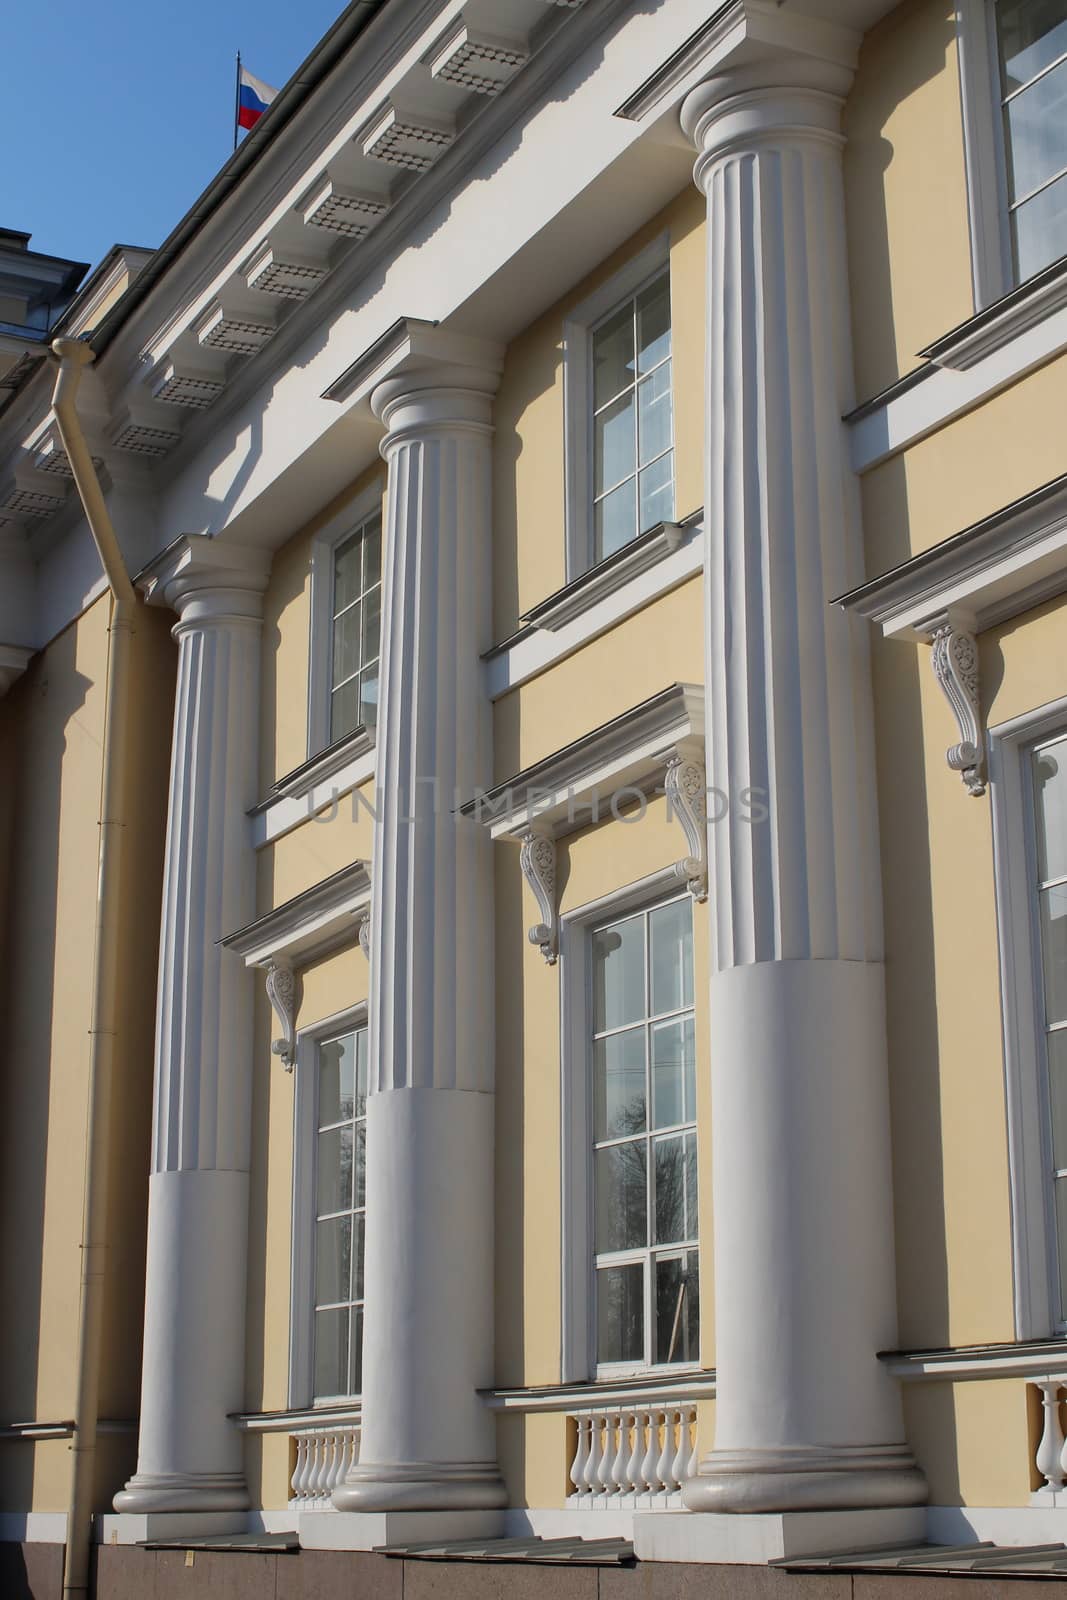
(253, 98)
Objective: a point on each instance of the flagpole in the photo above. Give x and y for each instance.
(237, 100)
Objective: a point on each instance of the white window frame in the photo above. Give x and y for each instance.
(323, 550)
(1033, 1225)
(578, 393)
(302, 1244)
(578, 1296)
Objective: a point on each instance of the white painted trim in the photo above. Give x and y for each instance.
(614, 572)
(304, 928)
(559, 1522)
(287, 813)
(881, 430)
(577, 1355)
(1044, 1363)
(301, 1252)
(983, 143)
(326, 1416)
(578, 393)
(323, 548)
(534, 652)
(33, 1527)
(1032, 1227)
(1001, 1525)
(659, 1389)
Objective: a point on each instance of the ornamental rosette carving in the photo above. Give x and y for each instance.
(538, 861)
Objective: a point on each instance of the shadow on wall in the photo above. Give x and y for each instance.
(38, 714)
(901, 53)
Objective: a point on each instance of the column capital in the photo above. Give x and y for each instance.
(779, 75)
(207, 579)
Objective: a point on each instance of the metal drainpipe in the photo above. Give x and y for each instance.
(73, 356)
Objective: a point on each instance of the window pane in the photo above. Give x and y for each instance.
(1041, 229)
(619, 1084)
(1033, 34)
(614, 444)
(671, 932)
(654, 415)
(620, 1313)
(346, 644)
(654, 324)
(361, 1164)
(670, 1190)
(613, 356)
(344, 709)
(336, 1067)
(372, 552)
(333, 1260)
(331, 1352)
(368, 698)
(355, 1374)
(673, 1073)
(657, 493)
(334, 1171)
(362, 1063)
(1053, 913)
(692, 1222)
(1060, 1187)
(621, 1199)
(619, 974)
(372, 625)
(677, 1289)
(348, 573)
(358, 1250)
(1037, 123)
(615, 519)
(1050, 794)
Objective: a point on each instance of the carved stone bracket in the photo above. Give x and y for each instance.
(364, 934)
(281, 992)
(538, 861)
(955, 662)
(685, 785)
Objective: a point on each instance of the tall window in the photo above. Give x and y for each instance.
(633, 425)
(644, 1139)
(340, 1211)
(1049, 771)
(1032, 49)
(357, 630)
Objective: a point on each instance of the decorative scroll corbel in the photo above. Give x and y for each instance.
(538, 861)
(685, 785)
(281, 992)
(955, 661)
(364, 934)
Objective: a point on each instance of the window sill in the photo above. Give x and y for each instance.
(324, 764)
(596, 583)
(693, 1383)
(996, 324)
(343, 1412)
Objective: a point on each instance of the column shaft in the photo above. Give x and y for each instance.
(190, 1454)
(427, 1440)
(804, 1265)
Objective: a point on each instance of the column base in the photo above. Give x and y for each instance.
(139, 1527)
(841, 1478)
(422, 1486)
(369, 1530)
(755, 1539)
(149, 1493)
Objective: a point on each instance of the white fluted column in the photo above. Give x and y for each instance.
(190, 1454)
(428, 1442)
(804, 1266)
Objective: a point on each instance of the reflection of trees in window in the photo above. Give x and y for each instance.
(340, 1190)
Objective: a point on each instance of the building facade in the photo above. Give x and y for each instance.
(535, 843)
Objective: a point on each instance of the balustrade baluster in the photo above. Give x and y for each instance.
(1050, 1450)
(581, 1454)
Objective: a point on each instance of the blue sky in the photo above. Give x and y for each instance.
(117, 114)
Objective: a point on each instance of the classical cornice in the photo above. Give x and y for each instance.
(309, 925)
(196, 563)
(407, 346)
(994, 569)
(560, 793)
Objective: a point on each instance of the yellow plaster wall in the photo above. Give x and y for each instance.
(54, 728)
(974, 1441)
(982, 461)
(909, 246)
(528, 459)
